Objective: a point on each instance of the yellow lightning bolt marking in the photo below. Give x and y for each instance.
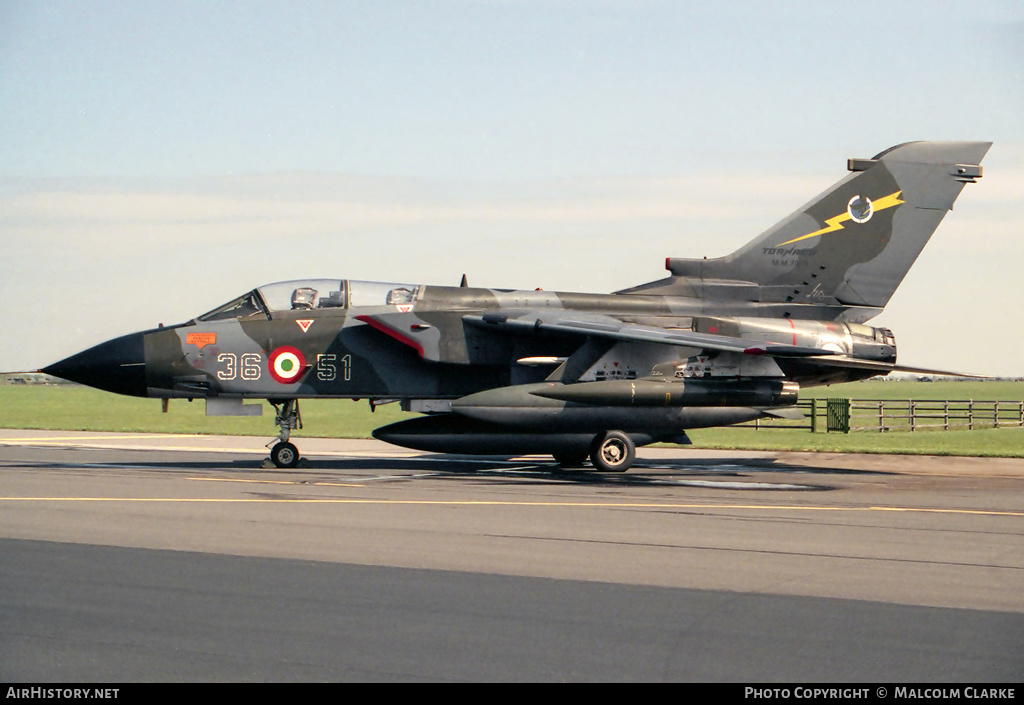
(836, 222)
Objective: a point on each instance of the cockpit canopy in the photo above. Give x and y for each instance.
(309, 294)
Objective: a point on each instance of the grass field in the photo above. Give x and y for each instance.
(995, 442)
(69, 407)
(72, 407)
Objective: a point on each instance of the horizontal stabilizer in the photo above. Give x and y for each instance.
(883, 368)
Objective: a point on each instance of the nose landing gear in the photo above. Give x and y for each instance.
(285, 454)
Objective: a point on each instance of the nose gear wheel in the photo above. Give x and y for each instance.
(284, 455)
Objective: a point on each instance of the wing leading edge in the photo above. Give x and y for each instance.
(610, 328)
(613, 329)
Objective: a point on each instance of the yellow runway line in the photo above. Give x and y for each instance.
(510, 503)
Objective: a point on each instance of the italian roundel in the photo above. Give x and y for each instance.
(287, 365)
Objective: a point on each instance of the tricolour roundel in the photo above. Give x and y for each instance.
(287, 365)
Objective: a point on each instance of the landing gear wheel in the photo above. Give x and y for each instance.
(613, 451)
(570, 459)
(284, 455)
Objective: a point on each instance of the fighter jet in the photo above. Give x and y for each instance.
(574, 375)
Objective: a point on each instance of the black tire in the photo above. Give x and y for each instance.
(613, 451)
(284, 455)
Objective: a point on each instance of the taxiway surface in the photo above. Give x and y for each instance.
(148, 557)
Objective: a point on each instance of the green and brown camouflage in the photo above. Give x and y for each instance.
(719, 341)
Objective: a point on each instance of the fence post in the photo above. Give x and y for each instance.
(814, 415)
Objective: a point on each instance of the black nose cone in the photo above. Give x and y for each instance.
(118, 365)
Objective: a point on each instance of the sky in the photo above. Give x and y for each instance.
(158, 159)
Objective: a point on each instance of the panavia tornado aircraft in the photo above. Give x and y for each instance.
(719, 341)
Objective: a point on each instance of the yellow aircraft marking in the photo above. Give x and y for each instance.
(511, 503)
(836, 222)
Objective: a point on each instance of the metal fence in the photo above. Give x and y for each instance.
(838, 415)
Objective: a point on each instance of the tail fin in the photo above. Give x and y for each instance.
(849, 247)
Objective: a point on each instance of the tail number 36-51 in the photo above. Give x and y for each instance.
(248, 366)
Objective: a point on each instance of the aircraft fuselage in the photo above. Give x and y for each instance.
(422, 350)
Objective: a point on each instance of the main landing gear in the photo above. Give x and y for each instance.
(285, 454)
(611, 451)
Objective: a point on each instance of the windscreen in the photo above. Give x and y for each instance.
(245, 305)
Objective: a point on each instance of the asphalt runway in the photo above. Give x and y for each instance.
(131, 558)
